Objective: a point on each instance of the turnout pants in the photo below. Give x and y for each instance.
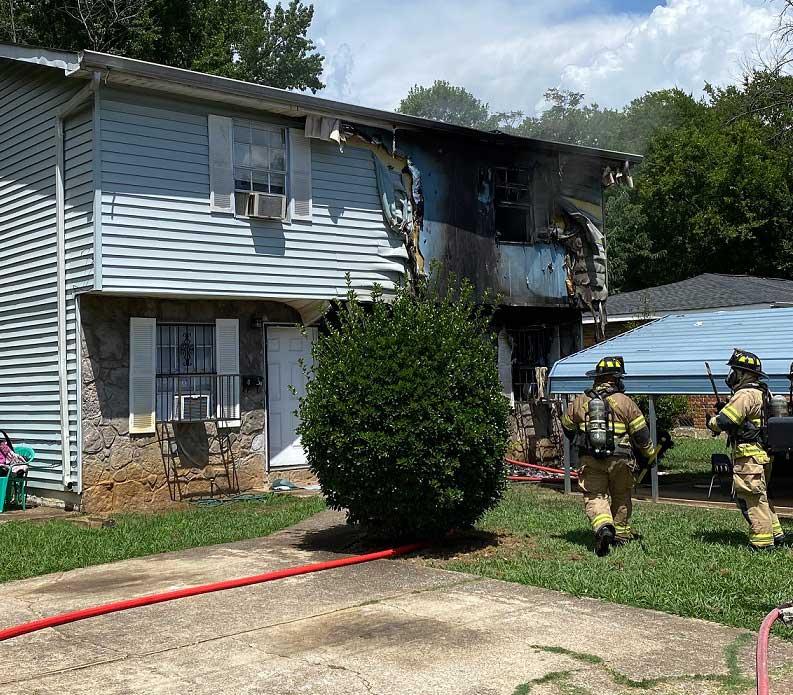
(751, 477)
(607, 485)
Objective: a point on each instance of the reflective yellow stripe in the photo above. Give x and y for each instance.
(601, 520)
(619, 428)
(761, 540)
(567, 423)
(757, 422)
(751, 450)
(776, 527)
(732, 413)
(636, 424)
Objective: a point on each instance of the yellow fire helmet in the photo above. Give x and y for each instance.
(748, 361)
(608, 365)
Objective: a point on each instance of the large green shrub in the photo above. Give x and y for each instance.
(404, 421)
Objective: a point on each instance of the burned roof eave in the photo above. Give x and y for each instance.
(138, 73)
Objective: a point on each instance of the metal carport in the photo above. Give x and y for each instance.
(667, 356)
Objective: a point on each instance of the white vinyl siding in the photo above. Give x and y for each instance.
(160, 237)
(29, 390)
(142, 361)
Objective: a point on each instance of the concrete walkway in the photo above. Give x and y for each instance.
(386, 627)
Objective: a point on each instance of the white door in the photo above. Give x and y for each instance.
(285, 347)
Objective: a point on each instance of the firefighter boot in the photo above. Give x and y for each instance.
(604, 538)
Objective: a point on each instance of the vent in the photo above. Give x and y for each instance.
(267, 205)
(193, 407)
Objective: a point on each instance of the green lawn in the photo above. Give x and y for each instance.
(692, 456)
(693, 562)
(32, 549)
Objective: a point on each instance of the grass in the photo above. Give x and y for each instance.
(728, 684)
(692, 456)
(32, 549)
(692, 562)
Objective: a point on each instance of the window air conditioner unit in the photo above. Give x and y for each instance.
(193, 407)
(267, 205)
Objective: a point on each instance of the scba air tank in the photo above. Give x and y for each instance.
(597, 425)
(779, 406)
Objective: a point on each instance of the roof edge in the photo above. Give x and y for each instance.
(92, 60)
(163, 75)
(67, 61)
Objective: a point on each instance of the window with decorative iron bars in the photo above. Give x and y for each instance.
(186, 372)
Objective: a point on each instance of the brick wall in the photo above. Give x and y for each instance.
(698, 407)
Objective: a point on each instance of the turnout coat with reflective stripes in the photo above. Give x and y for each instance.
(741, 418)
(630, 426)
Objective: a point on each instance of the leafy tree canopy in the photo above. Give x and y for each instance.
(244, 39)
(445, 102)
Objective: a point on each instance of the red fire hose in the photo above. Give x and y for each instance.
(535, 467)
(73, 616)
(784, 612)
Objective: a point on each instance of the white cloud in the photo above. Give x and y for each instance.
(685, 44)
(508, 52)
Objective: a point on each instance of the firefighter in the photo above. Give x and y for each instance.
(611, 434)
(743, 419)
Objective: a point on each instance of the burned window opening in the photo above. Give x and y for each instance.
(512, 199)
(529, 351)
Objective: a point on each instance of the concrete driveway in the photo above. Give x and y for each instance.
(391, 626)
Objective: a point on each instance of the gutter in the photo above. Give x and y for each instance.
(75, 104)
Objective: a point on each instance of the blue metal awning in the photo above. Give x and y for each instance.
(667, 356)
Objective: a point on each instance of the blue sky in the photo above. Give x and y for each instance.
(508, 52)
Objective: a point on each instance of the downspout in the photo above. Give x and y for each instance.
(72, 106)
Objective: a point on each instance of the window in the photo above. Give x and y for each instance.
(529, 351)
(186, 372)
(513, 208)
(183, 372)
(260, 161)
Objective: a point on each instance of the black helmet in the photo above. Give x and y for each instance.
(748, 361)
(608, 365)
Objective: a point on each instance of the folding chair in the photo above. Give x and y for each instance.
(720, 466)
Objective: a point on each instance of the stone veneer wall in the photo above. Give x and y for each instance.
(133, 472)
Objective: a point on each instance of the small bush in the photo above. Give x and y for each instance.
(404, 421)
(668, 410)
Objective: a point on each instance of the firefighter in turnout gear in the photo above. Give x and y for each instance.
(744, 419)
(613, 442)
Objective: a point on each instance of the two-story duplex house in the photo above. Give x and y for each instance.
(165, 232)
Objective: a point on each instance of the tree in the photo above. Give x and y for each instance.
(714, 195)
(445, 102)
(569, 120)
(404, 421)
(243, 39)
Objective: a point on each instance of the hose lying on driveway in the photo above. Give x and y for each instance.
(73, 616)
(785, 613)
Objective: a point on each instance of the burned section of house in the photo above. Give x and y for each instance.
(523, 221)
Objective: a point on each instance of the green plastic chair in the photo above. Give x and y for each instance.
(14, 488)
(5, 480)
